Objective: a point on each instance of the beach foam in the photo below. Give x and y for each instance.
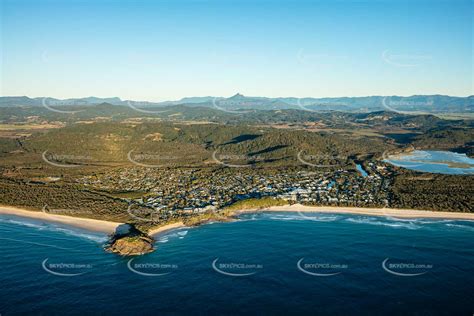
(392, 223)
(470, 228)
(55, 228)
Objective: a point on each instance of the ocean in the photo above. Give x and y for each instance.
(265, 264)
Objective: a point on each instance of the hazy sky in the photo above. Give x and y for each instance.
(162, 50)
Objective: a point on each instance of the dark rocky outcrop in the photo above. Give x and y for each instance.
(129, 241)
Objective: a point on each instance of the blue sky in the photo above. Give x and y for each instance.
(165, 50)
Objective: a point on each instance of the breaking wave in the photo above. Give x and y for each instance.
(377, 222)
(54, 228)
(470, 228)
(180, 233)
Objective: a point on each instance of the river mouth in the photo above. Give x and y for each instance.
(442, 162)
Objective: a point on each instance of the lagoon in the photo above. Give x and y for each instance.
(444, 162)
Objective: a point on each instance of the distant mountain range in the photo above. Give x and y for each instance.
(239, 102)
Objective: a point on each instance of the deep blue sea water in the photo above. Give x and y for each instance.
(268, 263)
(434, 161)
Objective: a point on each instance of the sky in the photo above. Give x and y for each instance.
(165, 50)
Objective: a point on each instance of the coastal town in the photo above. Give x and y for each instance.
(181, 192)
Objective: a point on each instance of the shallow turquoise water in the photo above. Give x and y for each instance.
(434, 162)
(285, 263)
(361, 170)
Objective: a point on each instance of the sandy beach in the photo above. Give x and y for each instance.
(84, 223)
(109, 227)
(162, 229)
(390, 212)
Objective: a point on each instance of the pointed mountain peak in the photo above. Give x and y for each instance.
(237, 96)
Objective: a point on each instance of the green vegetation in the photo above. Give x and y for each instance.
(448, 193)
(171, 167)
(458, 139)
(251, 204)
(62, 199)
(204, 218)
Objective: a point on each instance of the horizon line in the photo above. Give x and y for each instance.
(210, 96)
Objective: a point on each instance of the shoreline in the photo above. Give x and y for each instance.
(90, 224)
(109, 227)
(387, 212)
(94, 225)
(165, 228)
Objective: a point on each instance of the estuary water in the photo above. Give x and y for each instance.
(361, 170)
(444, 162)
(268, 263)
